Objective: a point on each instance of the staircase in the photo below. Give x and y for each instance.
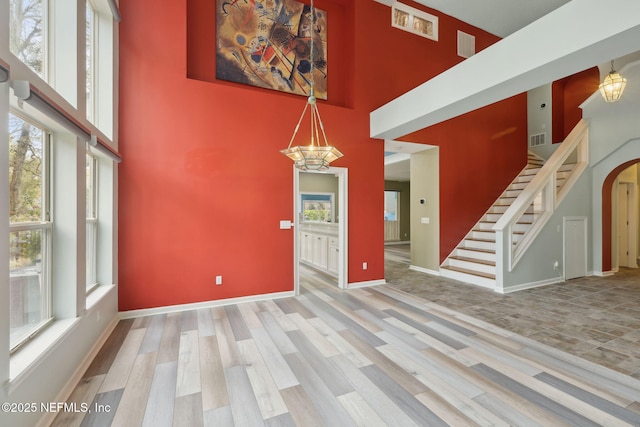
(474, 259)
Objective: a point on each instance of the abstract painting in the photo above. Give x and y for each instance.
(267, 43)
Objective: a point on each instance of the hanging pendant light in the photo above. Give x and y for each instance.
(612, 86)
(315, 155)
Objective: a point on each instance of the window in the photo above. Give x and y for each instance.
(30, 230)
(414, 21)
(92, 221)
(317, 207)
(99, 65)
(90, 31)
(27, 36)
(391, 205)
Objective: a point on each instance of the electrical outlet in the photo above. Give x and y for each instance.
(364, 266)
(218, 280)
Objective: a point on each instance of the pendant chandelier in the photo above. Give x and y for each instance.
(318, 154)
(612, 86)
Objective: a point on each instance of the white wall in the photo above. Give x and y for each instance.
(614, 139)
(539, 119)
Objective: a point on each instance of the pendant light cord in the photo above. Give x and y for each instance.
(312, 68)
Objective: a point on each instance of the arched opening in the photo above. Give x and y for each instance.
(607, 221)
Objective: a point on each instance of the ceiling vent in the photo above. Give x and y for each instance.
(466, 45)
(537, 139)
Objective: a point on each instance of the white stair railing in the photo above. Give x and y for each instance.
(540, 198)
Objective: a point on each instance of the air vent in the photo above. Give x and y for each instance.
(466, 45)
(537, 139)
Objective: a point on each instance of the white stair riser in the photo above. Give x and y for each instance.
(505, 200)
(521, 227)
(512, 193)
(482, 256)
(494, 217)
(530, 171)
(485, 225)
(517, 185)
(485, 235)
(477, 244)
(467, 278)
(467, 265)
(500, 209)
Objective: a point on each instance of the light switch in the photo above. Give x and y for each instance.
(424, 220)
(285, 224)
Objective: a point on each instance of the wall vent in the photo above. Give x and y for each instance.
(537, 139)
(466, 45)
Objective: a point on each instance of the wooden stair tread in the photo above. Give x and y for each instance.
(485, 251)
(475, 239)
(470, 272)
(474, 260)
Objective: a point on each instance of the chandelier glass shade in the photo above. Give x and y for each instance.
(317, 154)
(314, 156)
(612, 86)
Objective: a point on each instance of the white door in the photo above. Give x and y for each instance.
(623, 225)
(575, 247)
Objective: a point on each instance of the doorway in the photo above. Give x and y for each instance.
(320, 223)
(575, 247)
(627, 221)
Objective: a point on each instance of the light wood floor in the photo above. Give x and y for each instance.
(369, 357)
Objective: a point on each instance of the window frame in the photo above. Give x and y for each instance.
(45, 226)
(92, 223)
(91, 48)
(45, 42)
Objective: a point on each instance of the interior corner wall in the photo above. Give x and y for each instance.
(404, 188)
(425, 217)
(203, 186)
(539, 118)
(567, 96)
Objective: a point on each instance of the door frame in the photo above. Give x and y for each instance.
(343, 220)
(584, 221)
(632, 217)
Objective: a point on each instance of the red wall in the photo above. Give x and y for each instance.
(202, 186)
(567, 95)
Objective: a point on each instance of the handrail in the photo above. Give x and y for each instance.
(543, 195)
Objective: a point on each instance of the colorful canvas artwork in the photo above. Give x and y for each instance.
(268, 44)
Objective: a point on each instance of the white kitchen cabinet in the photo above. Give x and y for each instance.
(320, 249)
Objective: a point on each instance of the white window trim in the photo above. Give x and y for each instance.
(46, 226)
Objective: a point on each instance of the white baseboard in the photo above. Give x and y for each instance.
(366, 284)
(604, 273)
(424, 270)
(205, 304)
(531, 285)
(398, 242)
(74, 380)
